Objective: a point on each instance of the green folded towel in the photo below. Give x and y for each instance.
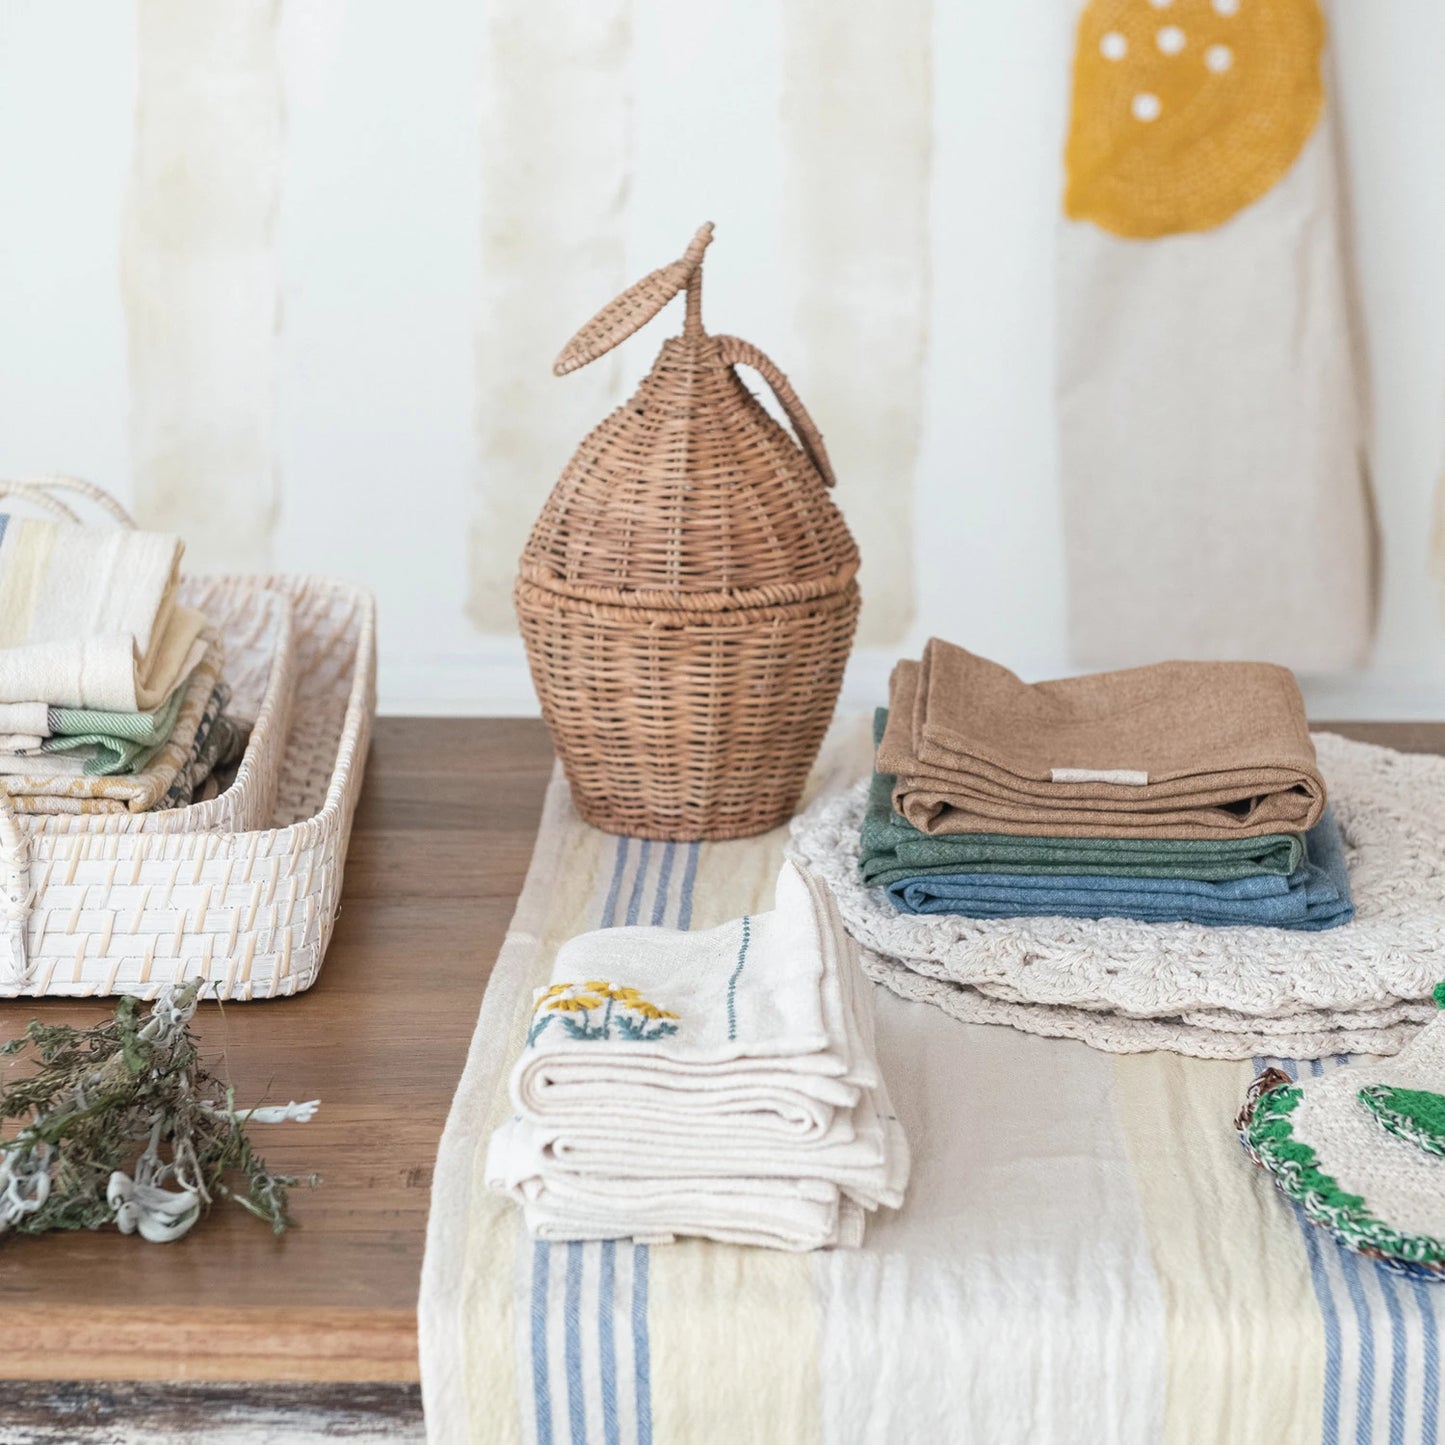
(892, 849)
(113, 742)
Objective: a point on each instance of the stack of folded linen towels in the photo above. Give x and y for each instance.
(1181, 792)
(722, 1083)
(111, 697)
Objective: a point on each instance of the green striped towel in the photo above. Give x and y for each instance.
(113, 742)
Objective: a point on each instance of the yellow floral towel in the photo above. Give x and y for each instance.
(730, 1090)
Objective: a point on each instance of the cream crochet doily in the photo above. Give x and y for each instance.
(1224, 993)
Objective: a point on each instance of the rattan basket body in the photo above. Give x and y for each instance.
(688, 594)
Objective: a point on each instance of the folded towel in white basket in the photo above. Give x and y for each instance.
(1213, 992)
(721, 1083)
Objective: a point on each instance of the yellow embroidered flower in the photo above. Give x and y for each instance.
(549, 993)
(1186, 111)
(618, 1008)
(577, 1001)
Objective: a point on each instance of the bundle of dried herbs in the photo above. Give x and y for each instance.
(122, 1123)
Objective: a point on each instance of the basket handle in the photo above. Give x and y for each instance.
(42, 491)
(16, 896)
(737, 352)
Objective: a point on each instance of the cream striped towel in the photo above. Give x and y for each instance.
(88, 616)
(47, 791)
(720, 1083)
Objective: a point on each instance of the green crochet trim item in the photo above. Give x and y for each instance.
(1440, 995)
(1267, 1133)
(1415, 1115)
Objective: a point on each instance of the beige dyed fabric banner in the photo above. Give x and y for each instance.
(857, 87)
(200, 276)
(1215, 498)
(555, 157)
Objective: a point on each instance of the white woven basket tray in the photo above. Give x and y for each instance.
(128, 904)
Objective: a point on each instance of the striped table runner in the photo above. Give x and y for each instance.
(1085, 1253)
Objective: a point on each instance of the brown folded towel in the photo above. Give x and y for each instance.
(1176, 750)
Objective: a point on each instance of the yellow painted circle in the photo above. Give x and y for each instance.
(1186, 112)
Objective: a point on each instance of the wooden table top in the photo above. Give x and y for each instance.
(438, 855)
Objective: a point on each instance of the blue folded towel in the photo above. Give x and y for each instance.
(1315, 897)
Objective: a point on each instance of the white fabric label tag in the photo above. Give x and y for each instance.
(1129, 777)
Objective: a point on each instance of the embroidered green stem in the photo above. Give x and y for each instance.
(733, 981)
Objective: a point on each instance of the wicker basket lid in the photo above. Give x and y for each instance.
(690, 495)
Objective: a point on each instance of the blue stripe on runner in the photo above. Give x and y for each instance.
(606, 1342)
(634, 903)
(664, 881)
(609, 909)
(1324, 1296)
(736, 974)
(641, 1259)
(607, 1287)
(1392, 1287)
(1349, 1266)
(1365, 1409)
(689, 877)
(572, 1321)
(641, 1350)
(1430, 1404)
(1315, 1244)
(541, 1391)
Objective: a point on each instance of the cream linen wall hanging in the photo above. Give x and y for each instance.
(1210, 432)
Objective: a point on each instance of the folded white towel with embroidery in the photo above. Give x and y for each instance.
(722, 1083)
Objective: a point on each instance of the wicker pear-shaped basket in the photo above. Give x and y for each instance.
(688, 594)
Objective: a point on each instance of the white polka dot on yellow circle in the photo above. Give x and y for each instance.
(1186, 110)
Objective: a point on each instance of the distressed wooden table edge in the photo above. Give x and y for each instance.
(81, 1412)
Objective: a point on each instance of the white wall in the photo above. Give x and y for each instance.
(380, 432)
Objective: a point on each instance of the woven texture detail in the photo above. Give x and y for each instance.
(1184, 114)
(687, 595)
(1211, 992)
